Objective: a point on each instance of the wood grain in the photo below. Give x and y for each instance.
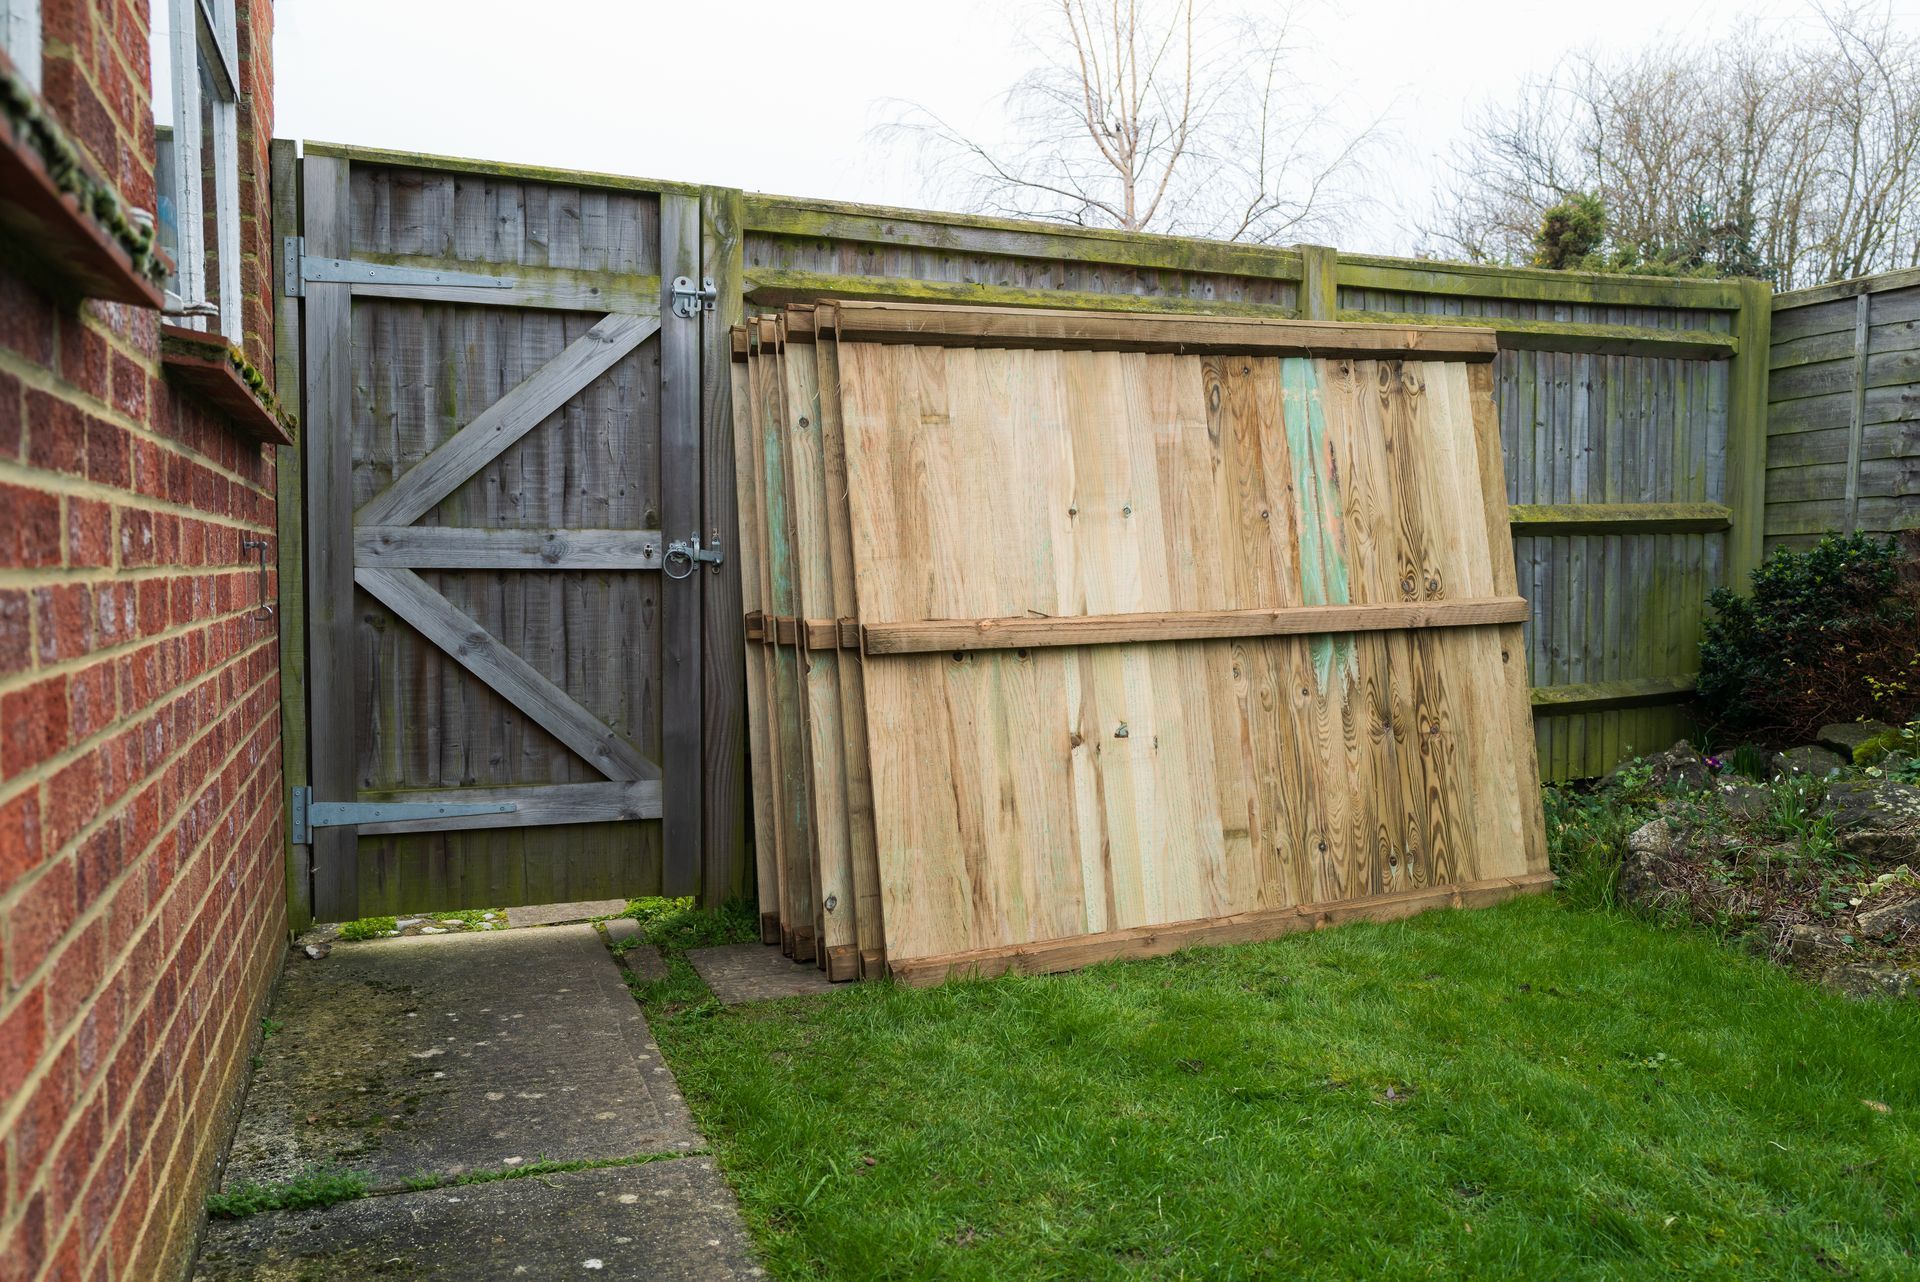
(929, 635)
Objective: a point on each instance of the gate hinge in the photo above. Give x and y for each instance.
(684, 556)
(302, 268)
(309, 814)
(689, 302)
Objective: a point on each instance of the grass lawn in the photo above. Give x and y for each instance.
(1529, 1091)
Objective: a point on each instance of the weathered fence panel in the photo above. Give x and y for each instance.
(1843, 449)
(1632, 427)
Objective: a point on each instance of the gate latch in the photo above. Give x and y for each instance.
(689, 302)
(684, 556)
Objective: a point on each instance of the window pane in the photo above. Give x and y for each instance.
(160, 55)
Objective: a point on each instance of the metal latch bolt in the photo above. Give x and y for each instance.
(684, 556)
(689, 302)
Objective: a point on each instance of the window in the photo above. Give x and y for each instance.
(20, 37)
(196, 103)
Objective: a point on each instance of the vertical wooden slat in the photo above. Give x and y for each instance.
(1857, 411)
(1747, 434)
(681, 761)
(328, 432)
(290, 504)
(723, 690)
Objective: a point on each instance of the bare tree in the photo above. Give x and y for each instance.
(1154, 115)
(1801, 160)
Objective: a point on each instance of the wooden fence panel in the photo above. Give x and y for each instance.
(1616, 397)
(1843, 424)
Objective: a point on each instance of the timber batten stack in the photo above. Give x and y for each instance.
(1074, 636)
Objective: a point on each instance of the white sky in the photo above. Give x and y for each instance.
(780, 96)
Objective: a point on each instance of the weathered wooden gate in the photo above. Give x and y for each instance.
(509, 556)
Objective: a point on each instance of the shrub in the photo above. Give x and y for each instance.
(1828, 634)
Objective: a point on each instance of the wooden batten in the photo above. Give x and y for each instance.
(1052, 956)
(933, 635)
(871, 322)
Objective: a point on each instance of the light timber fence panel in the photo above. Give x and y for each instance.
(1843, 450)
(1632, 426)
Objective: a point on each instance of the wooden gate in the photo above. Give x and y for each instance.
(508, 552)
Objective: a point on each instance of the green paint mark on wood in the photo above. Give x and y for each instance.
(1323, 565)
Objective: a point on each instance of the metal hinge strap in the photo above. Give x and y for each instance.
(303, 267)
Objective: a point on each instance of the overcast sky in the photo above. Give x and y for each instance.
(781, 97)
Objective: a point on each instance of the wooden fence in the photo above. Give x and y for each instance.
(1843, 449)
(1633, 428)
(1632, 414)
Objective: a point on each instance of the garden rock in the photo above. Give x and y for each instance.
(1875, 819)
(1808, 945)
(1680, 768)
(1872, 981)
(1844, 736)
(1890, 918)
(1650, 851)
(1743, 800)
(1811, 761)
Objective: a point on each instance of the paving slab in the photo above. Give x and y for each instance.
(556, 914)
(664, 1221)
(449, 1054)
(755, 973)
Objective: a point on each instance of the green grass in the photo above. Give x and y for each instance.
(1528, 1091)
(380, 927)
(311, 1188)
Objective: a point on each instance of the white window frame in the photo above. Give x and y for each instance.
(20, 37)
(203, 36)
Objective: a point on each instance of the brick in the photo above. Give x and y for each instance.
(129, 387)
(34, 725)
(56, 434)
(31, 535)
(12, 416)
(20, 845)
(72, 977)
(83, 358)
(38, 919)
(64, 616)
(23, 1036)
(91, 701)
(73, 799)
(89, 532)
(25, 1250)
(16, 632)
(108, 456)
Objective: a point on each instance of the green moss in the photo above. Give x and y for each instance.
(69, 173)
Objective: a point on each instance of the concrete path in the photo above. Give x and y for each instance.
(420, 1060)
(739, 973)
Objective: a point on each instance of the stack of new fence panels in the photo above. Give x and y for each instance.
(1080, 635)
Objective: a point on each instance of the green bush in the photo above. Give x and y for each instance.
(1828, 634)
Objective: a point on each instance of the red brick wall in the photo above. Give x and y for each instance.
(141, 898)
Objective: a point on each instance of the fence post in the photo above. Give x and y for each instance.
(1747, 433)
(290, 503)
(1319, 282)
